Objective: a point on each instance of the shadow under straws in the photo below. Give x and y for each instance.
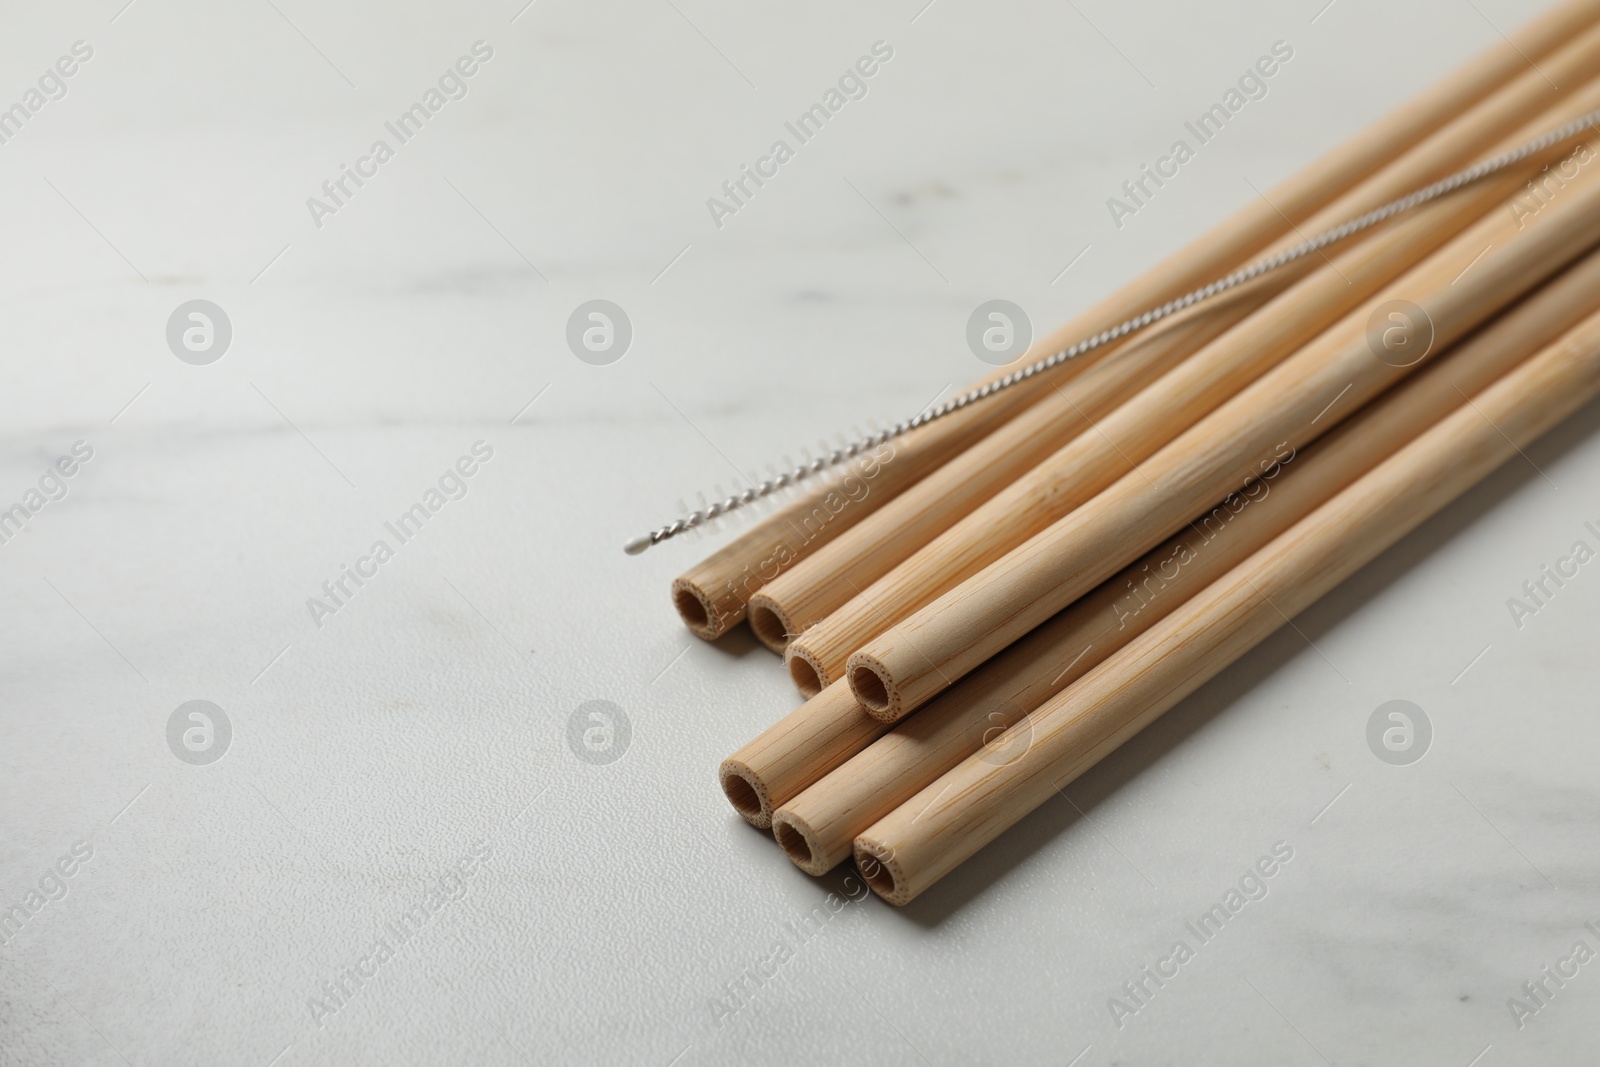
(1157, 741)
(738, 643)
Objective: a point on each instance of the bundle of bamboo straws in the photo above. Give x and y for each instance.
(983, 608)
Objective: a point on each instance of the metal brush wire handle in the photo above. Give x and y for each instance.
(1476, 172)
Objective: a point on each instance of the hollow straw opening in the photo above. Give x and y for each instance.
(877, 873)
(869, 688)
(692, 608)
(804, 674)
(794, 843)
(770, 628)
(880, 878)
(748, 800)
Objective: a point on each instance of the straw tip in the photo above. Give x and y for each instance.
(747, 792)
(638, 545)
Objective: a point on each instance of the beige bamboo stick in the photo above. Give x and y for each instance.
(803, 595)
(817, 826)
(1091, 462)
(929, 835)
(827, 730)
(830, 577)
(712, 596)
(1481, 271)
(791, 754)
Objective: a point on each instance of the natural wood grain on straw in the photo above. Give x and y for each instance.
(1132, 433)
(837, 572)
(794, 752)
(826, 579)
(712, 596)
(1481, 271)
(817, 826)
(966, 808)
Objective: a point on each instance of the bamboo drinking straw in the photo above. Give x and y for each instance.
(801, 747)
(1095, 459)
(957, 814)
(711, 597)
(1483, 270)
(817, 826)
(827, 579)
(827, 730)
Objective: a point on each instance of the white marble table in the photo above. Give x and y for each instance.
(417, 728)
